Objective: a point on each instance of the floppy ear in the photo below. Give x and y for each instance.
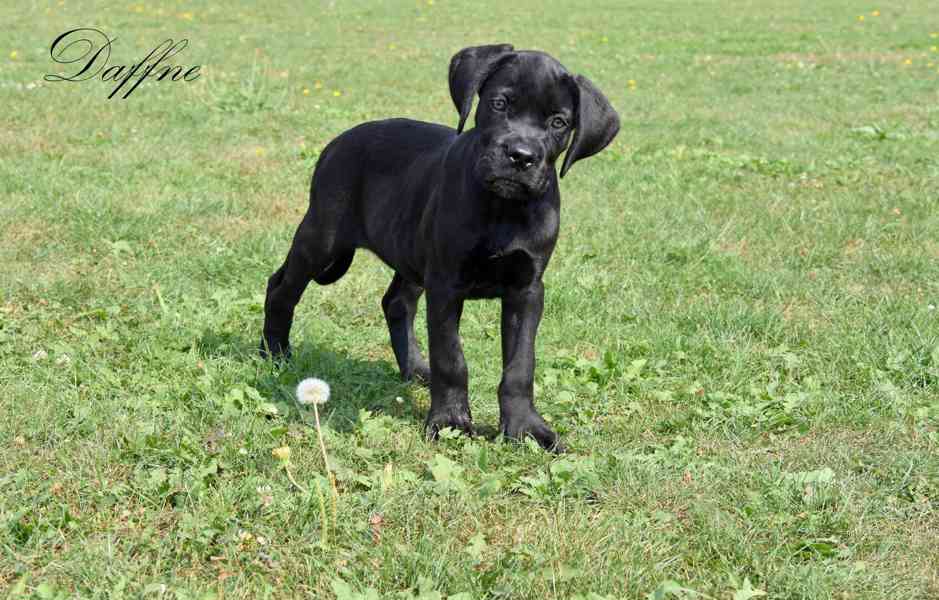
(469, 68)
(595, 122)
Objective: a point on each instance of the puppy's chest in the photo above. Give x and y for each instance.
(499, 260)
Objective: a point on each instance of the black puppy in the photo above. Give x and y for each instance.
(462, 216)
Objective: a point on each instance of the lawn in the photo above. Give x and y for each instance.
(740, 344)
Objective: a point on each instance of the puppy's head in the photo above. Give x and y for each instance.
(529, 108)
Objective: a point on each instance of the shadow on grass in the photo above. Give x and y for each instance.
(372, 385)
(355, 384)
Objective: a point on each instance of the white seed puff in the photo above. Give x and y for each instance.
(312, 391)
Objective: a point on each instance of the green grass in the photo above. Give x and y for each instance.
(740, 342)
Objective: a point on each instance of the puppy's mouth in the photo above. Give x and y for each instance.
(509, 183)
(507, 188)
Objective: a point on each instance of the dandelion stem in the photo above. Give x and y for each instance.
(302, 489)
(329, 471)
(319, 434)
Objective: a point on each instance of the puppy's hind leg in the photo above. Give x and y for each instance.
(311, 256)
(400, 307)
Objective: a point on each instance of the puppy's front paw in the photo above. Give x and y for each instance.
(531, 424)
(456, 418)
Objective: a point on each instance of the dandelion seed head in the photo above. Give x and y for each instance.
(312, 391)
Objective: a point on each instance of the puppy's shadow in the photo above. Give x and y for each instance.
(355, 384)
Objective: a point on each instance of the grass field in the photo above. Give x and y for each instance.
(740, 344)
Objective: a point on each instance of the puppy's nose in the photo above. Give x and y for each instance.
(522, 157)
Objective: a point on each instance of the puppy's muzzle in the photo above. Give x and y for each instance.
(514, 170)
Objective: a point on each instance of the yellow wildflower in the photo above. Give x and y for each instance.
(306, 91)
(282, 454)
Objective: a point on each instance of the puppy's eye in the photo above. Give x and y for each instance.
(558, 122)
(499, 104)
